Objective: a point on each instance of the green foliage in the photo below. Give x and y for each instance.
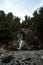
(27, 22)
(35, 23)
(9, 25)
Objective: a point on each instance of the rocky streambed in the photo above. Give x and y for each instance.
(22, 58)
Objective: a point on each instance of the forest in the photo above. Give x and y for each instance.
(31, 27)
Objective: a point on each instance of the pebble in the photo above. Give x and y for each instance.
(23, 55)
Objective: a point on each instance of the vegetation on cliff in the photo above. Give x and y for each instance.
(31, 28)
(9, 26)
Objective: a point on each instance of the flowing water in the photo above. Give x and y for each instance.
(23, 57)
(20, 40)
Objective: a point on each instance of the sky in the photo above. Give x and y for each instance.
(20, 8)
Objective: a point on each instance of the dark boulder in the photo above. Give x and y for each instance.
(7, 59)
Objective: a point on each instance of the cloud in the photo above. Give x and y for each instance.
(20, 7)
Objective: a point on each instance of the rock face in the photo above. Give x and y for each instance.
(24, 58)
(32, 40)
(13, 45)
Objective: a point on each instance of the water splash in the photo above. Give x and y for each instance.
(20, 41)
(20, 44)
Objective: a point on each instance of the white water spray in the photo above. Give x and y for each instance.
(20, 41)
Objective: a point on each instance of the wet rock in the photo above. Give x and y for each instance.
(27, 59)
(41, 57)
(7, 59)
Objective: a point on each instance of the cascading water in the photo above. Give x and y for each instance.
(20, 41)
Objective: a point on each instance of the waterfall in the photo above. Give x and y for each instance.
(20, 41)
(20, 44)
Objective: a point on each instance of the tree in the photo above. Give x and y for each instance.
(9, 26)
(2, 22)
(9, 16)
(27, 22)
(37, 23)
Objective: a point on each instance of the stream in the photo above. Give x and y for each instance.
(21, 57)
(20, 41)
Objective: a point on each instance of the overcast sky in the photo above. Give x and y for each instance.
(20, 7)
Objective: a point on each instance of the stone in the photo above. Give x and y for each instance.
(7, 59)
